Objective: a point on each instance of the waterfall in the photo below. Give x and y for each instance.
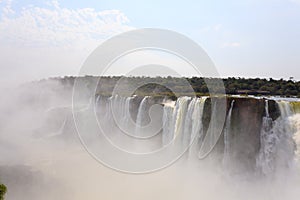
(197, 118)
(179, 115)
(108, 108)
(188, 122)
(126, 116)
(285, 109)
(173, 119)
(267, 108)
(167, 134)
(277, 145)
(193, 120)
(183, 121)
(227, 138)
(295, 123)
(141, 116)
(268, 140)
(112, 111)
(98, 106)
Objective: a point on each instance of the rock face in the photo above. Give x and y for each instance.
(244, 129)
(296, 106)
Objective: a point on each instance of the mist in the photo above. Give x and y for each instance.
(43, 158)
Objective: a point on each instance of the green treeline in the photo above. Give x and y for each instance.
(162, 85)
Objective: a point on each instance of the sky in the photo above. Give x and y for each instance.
(249, 38)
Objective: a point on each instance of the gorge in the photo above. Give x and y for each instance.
(258, 140)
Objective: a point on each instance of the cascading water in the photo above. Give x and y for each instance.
(285, 109)
(140, 119)
(182, 120)
(126, 116)
(267, 141)
(277, 144)
(227, 137)
(179, 115)
(108, 108)
(295, 123)
(295, 126)
(167, 134)
(197, 126)
(186, 137)
(286, 147)
(173, 119)
(193, 120)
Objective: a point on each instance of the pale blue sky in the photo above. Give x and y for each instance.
(250, 38)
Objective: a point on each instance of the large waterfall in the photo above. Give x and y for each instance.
(259, 142)
(262, 140)
(181, 119)
(277, 149)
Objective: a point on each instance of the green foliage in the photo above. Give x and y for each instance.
(254, 86)
(3, 190)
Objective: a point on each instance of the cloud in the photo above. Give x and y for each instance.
(7, 7)
(51, 40)
(231, 44)
(54, 25)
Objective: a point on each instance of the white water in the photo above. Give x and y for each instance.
(140, 119)
(285, 109)
(167, 134)
(277, 145)
(295, 123)
(126, 117)
(227, 138)
(179, 115)
(187, 120)
(197, 126)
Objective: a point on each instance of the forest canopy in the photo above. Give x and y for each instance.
(246, 86)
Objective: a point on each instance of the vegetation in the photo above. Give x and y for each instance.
(170, 85)
(2, 191)
(296, 106)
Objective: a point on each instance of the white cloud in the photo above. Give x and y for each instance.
(37, 26)
(231, 44)
(7, 7)
(38, 42)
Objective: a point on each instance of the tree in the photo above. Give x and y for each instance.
(3, 190)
